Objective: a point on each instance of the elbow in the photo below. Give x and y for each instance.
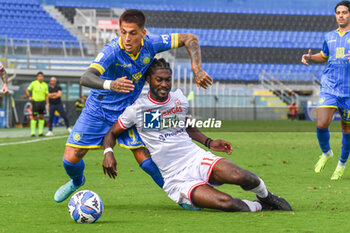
(83, 79)
(194, 37)
(191, 37)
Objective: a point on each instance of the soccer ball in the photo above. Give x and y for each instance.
(85, 207)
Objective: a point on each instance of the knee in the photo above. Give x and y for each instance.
(141, 154)
(322, 124)
(246, 179)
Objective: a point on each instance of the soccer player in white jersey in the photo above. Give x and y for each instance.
(3, 73)
(189, 172)
(335, 88)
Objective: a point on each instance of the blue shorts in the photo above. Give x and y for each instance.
(327, 100)
(89, 131)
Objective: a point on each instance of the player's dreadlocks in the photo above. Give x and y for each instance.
(157, 64)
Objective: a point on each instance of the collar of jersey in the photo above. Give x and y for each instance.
(157, 102)
(342, 33)
(130, 54)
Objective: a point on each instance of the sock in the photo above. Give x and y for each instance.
(253, 205)
(151, 169)
(345, 149)
(41, 125)
(32, 126)
(75, 171)
(323, 140)
(260, 190)
(340, 164)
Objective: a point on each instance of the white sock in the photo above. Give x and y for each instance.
(327, 154)
(340, 164)
(253, 205)
(260, 190)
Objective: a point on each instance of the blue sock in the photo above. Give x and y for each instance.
(323, 139)
(345, 149)
(75, 171)
(150, 167)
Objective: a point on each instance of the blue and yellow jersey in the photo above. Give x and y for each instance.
(336, 77)
(115, 62)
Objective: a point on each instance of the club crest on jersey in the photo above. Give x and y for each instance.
(177, 102)
(77, 137)
(151, 120)
(146, 59)
(321, 101)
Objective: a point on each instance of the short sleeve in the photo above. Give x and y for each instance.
(128, 118)
(30, 87)
(104, 59)
(183, 98)
(325, 50)
(164, 42)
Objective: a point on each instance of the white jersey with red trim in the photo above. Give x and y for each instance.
(1, 66)
(162, 128)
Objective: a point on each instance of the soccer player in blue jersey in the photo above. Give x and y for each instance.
(117, 78)
(335, 88)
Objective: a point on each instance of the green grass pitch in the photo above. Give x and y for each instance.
(283, 153)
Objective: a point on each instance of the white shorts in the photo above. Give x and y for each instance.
(197, 172)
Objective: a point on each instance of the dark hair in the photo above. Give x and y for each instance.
(40, 73)
(343, 3)
(133, 16)
(157, 64)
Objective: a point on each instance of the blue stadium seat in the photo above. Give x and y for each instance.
(26, 19)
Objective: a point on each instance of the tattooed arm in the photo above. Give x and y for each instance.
(4, 80)
(190, 41)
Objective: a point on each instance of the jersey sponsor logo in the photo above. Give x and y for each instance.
(136, 77)
(162, 138)
(340, 52)
(77, 137)
(151, 120)
(177, 133)
(99, 57)
(165, 39)
(173, 110)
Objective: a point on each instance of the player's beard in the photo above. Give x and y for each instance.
(162, 94)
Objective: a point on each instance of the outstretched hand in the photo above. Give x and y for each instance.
(5, 89)
(221, 146)
(348, 55)
(306, 58)
(202, 79)
(110, 165)
(122, 85)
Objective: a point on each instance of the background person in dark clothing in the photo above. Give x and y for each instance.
(54, 96)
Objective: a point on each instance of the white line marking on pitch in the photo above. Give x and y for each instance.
(36, 140)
